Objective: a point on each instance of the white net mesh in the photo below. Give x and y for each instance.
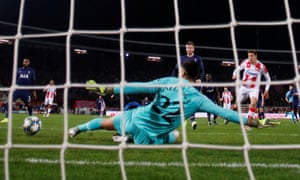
(119, 37)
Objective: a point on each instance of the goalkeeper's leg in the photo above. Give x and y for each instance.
(94, 124)
(268, 122)
(170, 138)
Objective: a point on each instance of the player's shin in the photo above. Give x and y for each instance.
(91, 125)
(6, 110)
(261, 115)
(29, 110)
(251, 111)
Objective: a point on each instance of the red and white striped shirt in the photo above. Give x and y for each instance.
(50, 91)
(226, 96)
(252, 74)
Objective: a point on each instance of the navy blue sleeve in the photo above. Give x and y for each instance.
(176, 68)
(175, 71)
(201, 68)
(139, 88)
(33, 76)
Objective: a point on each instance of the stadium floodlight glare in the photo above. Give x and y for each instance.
(227, 63)
(154, 59)
(80, 51)
(5, 41)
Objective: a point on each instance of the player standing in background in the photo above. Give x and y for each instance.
(50, 90)
(156, 123)
(213, 94)
(191, 56)
(25, 77)
(289, 99)
(253, 69)
(100, 104)
(226, 99)
(295, 103)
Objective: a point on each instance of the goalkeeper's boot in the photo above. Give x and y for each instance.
(252, 123)
(264, 123)
(5, 120)
(74, 132)
(272, 122)
(268, 123)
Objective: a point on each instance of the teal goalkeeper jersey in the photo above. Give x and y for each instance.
(162, 115)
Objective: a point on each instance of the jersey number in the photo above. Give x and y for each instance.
(166, 116)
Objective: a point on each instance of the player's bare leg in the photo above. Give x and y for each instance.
(45, 110)
(252, 107)
(48, 110)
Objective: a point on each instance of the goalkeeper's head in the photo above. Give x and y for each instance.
(190, 70)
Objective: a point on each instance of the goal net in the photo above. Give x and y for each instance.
(129, 41)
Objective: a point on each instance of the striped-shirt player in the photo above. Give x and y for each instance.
(226, 98)
(253, 70)
(50, 92)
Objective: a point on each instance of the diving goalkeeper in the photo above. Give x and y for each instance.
(156, 123)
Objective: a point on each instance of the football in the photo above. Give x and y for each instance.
(32, 125)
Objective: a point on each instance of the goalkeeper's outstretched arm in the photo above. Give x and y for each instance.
(133, 88)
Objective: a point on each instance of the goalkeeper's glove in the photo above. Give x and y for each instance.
(97, 90)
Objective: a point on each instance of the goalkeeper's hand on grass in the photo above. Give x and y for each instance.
(97, 90)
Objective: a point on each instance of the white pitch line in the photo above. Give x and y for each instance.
(200, 133)
(162, 164)
(256, 134)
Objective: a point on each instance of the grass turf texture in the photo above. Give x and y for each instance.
(157, 163)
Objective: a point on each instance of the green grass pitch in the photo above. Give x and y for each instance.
(156, 163)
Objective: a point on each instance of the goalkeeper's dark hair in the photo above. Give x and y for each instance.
(191, 68)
